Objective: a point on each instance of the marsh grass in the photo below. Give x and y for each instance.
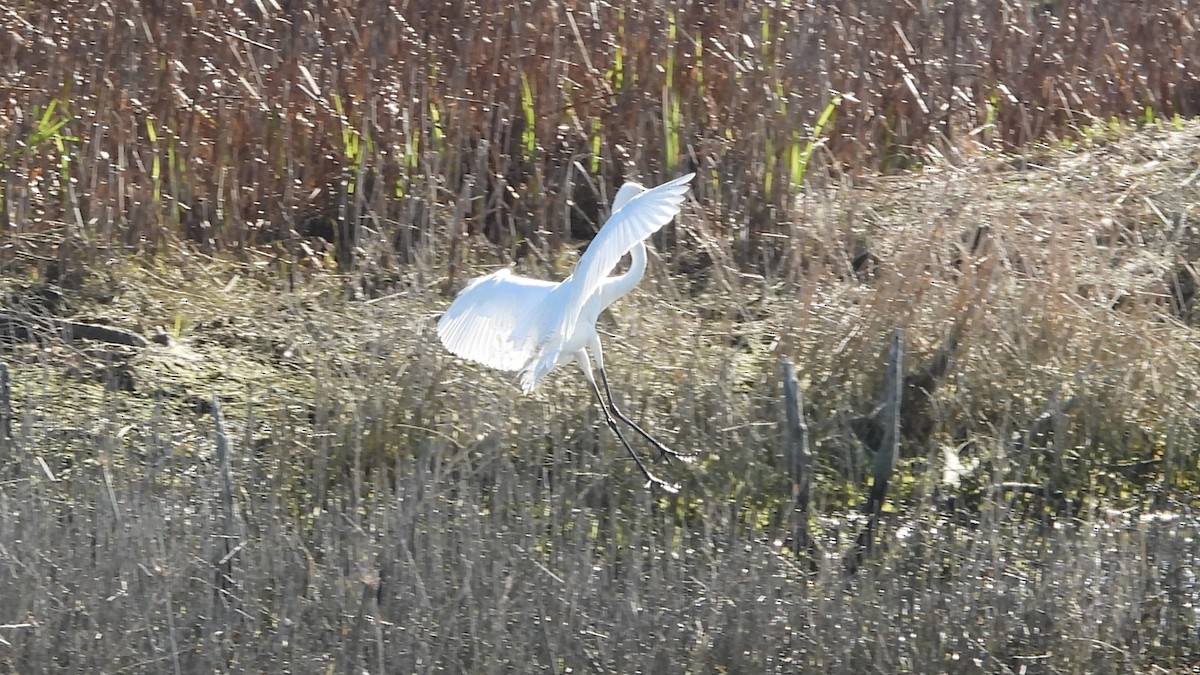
(283, 198)
(473, 560)
(395, 509)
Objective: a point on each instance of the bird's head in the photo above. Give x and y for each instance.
(628, 191)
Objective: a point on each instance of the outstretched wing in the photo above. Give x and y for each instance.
(636, 217)
(493, 320)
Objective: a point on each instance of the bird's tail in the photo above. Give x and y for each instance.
(542, 362)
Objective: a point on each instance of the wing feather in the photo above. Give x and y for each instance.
(633, 221)
(493, 321)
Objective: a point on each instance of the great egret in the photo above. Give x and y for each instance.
(515, 323)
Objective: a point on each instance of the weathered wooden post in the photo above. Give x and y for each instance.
(798, 457)
(225, 550)
(886, 455)
(5, 406)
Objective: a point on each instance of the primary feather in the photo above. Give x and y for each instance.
(489, 320)
(630, 223)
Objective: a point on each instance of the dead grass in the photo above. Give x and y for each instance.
(388, 508)
(395, 509)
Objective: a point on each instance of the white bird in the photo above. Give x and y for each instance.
(515, 323)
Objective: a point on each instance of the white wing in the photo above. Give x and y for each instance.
(636, 217)
(494, 319)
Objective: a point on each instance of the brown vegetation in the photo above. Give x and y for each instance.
(385, 128)
(277, 194)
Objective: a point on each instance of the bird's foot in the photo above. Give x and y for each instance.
(654, 481)
(666, 454)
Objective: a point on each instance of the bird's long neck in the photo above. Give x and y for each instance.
(615, 287)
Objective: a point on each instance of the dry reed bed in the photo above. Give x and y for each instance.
(389, 128)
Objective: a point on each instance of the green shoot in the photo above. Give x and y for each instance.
(64, 158)
(173, 176)
(596, 146)
(435, 119)
(671, 114)
(671, 32)
(769, 172)
(671, 127)
(47, 129)
(991, 108)
(801, 156)
(352, 140)
(155, 163)
(616, 74)
(529, 135)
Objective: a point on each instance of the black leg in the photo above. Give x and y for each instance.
(664, 453)
(653, 480)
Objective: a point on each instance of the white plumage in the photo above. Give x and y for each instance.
(488, 314)
(510, 322)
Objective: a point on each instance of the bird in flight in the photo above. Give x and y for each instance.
(516, 323)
